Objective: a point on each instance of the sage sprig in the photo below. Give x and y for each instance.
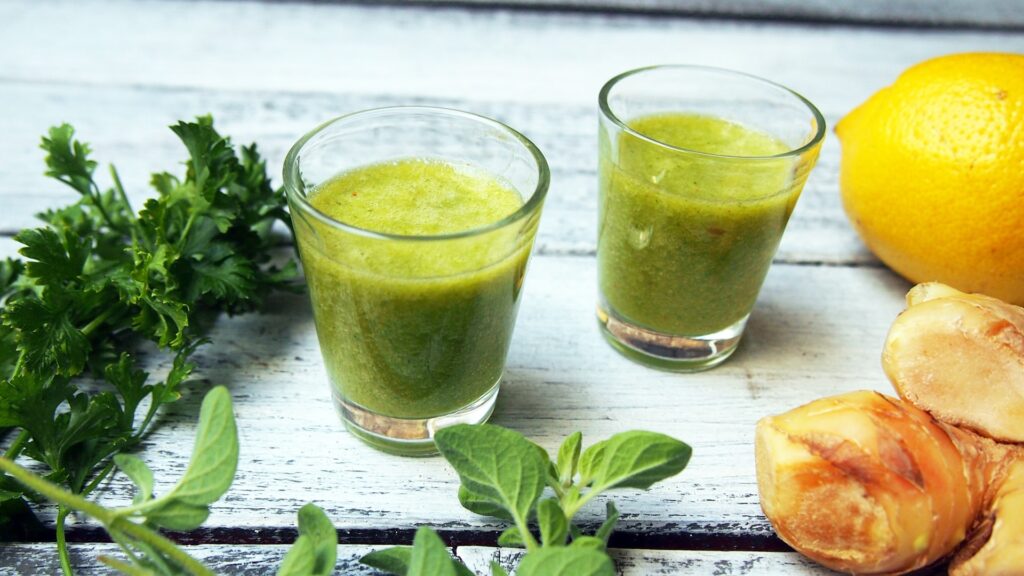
(185, 506)
(504, 475)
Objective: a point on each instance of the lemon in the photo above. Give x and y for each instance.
(932, 173)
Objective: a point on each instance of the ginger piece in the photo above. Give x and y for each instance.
(960, 357)
(996, 547)
(869, 484)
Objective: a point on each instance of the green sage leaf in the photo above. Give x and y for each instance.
(591, 542)
(511, 538)
(215, 456)
(553, 525)
(178, 515)
(497, 570)
(393, 560)
(140, 475)
(635, 459)
(482, 505)
(300, 559)
(496, 465)
(566, 561)
(569, 457)
(430, 556)
(314, 524)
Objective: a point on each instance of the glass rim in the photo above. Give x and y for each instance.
(293, 183)
(602, 100)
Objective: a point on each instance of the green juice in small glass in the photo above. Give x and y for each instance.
(414, 329)
(685, 240)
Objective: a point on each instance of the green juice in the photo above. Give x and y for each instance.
(412, 327)
(685, 240)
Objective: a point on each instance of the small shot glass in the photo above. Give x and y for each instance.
(414, 328)
(699, 171)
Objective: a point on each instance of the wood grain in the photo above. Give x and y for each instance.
(816, 331)
(236, 560)
(242, 560)
(667, 562)
(122, 71)
(983, 13)
(300, 64)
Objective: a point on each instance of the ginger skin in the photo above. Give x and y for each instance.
(868, 484)
(960, 357)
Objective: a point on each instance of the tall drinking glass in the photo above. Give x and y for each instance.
(699, 171)
(415, 226)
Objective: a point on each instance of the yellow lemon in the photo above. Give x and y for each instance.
(932, 173)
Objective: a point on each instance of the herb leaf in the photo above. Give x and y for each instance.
(429, 555)
(566, 561)
(569, 457)
(314, 524)
(394, 560)
(138, 473)
(635, 459)
(553, 525)
(482, 505)
(178, 515)
(611, 518)
(215, 456)
(495, 465)
(511, 538)
(300, 559)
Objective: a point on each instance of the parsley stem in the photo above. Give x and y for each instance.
(98, 479)
(96, 196)
(20, 364)
(62, 544)
(124, 198)
(15, 448)
(186, 229)
(99, 320)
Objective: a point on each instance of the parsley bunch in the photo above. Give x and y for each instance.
(98, 279)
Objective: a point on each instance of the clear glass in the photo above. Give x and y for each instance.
(685, 237)
(410, 349)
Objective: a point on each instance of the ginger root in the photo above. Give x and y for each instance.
(868, 484)
(960, 357)
(997, 546)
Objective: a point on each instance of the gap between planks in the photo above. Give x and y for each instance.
(677, 540)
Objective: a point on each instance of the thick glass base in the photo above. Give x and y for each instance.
(668, 351)
(409, 436)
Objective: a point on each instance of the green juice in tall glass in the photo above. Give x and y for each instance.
(411, 330)
(685, 240)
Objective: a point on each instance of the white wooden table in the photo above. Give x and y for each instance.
(269, 71)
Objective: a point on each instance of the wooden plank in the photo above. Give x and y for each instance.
(237, 559)
(538, 72)
(245, 560)
(816, 331)
(138, 142)
(634, 562)
(982, 13)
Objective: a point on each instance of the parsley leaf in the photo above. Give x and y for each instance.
(98, 279)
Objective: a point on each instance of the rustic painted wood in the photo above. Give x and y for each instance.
(816, 331)
(300, 64)
(998, 13)
(666, 562)
(235, 560)
(121, 71)
(246, 560)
